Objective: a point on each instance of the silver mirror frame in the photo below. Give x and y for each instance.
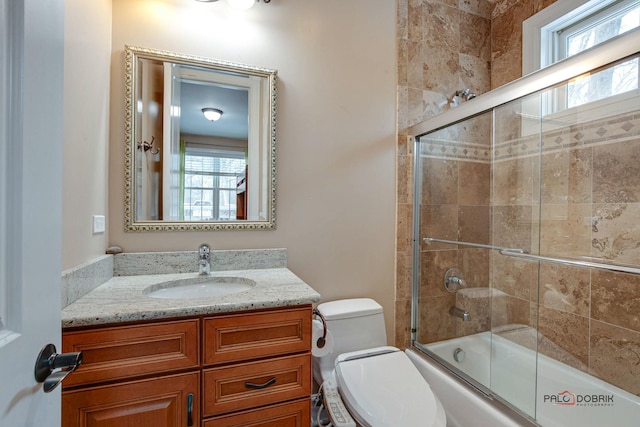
(131, 225)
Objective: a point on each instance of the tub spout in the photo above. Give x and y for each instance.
(458, 312)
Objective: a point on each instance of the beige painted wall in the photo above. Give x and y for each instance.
(86, 128)
(336, 130)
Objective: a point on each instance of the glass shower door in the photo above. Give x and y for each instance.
(589, 333)
(453, 176)
(515, 212)
(527, 250)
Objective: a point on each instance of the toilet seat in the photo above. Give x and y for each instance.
(381, 387)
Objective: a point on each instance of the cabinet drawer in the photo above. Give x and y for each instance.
(292, 414)
(128, 351)
(251, 384)
(250, 336)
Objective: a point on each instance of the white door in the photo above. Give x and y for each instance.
(171, 154)
(31, 81)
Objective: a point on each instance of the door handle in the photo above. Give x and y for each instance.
(48, 361)
(190, 409)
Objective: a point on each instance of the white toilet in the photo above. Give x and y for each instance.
(378, 384)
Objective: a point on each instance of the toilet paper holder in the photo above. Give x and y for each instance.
(323, 339)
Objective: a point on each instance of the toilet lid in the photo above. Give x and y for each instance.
(386, 389)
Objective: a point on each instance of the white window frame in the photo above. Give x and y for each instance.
(537, 31)
(538, 52)
(563, 32)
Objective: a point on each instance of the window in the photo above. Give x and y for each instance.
(583, 23)
(569, 27)
(210, 180)
(597, 27)
(594, 29)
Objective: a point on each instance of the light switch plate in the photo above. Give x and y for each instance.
(99, 224)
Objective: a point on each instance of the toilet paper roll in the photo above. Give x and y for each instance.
(316, 334)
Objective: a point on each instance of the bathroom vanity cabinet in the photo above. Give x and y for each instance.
(233, 369)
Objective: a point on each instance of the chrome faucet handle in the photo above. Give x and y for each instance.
(457, 281)
(204, 254)
(204, 250)
(454, 280)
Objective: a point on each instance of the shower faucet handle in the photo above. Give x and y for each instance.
(454, 280)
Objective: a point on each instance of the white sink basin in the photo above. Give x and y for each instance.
(199, 287)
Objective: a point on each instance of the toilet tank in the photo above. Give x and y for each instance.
(356, 324)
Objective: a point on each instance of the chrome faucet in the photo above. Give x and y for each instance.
(204, 257)
(453, 280)
(458, 312)
(453, 284)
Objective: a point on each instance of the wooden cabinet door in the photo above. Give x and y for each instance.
(170, 401)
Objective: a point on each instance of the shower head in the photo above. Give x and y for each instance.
(465, 94)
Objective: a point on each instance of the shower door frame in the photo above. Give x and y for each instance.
(613, 50)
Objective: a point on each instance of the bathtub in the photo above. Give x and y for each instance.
(562, 396)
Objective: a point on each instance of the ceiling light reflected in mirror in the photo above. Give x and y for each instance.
(212, 114)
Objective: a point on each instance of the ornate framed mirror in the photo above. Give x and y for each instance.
(201, 143)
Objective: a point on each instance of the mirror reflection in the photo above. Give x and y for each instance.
(201, 143)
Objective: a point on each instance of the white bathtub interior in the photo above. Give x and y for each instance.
(524, 377)
(464, 405)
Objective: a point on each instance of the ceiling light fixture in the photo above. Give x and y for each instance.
(212, 114)
(238, 4)
(241, 4)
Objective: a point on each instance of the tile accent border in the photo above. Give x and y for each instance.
(455, 150)
(591, 134)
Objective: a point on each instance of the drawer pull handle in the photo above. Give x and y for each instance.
(272, 381)
(190, 409)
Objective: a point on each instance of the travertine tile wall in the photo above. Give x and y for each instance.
(589, 319)
(455, 205)
(506, 37)
(443, 46)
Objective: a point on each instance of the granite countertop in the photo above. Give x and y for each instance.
(122, 299)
